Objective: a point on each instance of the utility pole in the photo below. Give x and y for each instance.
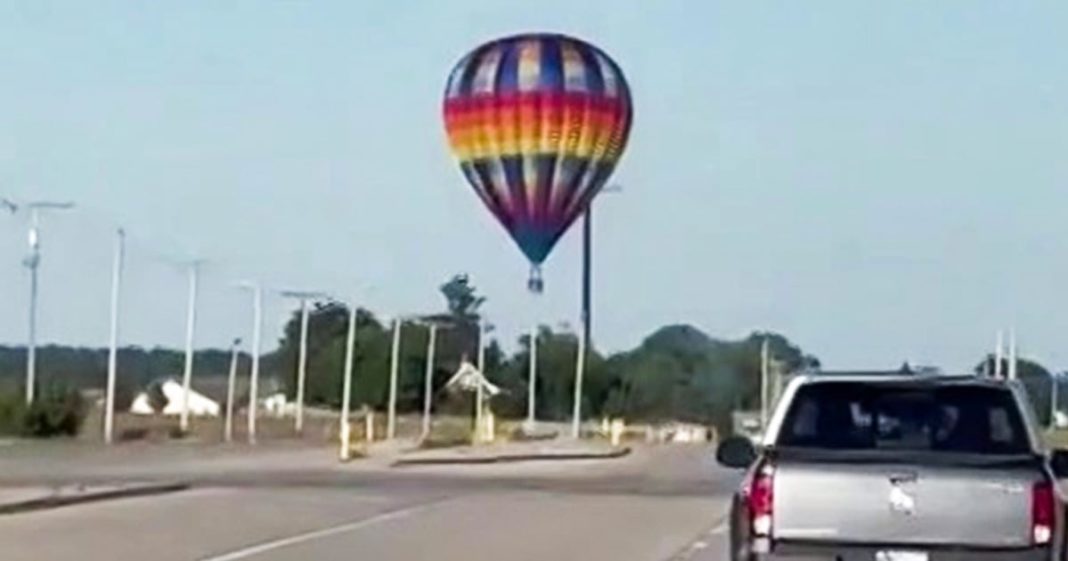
(1012, 354)
(394, 372)
(483, 329)
(580, 371)
(254, 376)
(346, 385)
(428, 389)
(532, 383)
(113, 347)
(302, 366)
(998, 356)
(190, 327)
(302, 359)
(1054, 400)
(32, 262)
(587, 309)
(231, 382)
(764, 358)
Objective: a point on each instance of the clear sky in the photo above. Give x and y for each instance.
(879, 181)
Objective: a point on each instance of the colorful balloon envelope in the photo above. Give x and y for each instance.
(538, 123)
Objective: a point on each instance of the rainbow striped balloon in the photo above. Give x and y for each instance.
(538, 122)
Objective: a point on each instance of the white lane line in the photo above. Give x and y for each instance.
(247, 552)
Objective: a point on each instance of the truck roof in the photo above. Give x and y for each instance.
(897, 376)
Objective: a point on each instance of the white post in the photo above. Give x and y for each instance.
(394, 371)
(231, 382)
(1053, 401)
(998, 352)
(32, 263)
(254, 378)
(580, 370)
(479, 395)
(346, 385)
(533, 375)
(1012, 354)
(113, 347)
(428, 388)
(190, 326)
(302, 365)
(764, 384)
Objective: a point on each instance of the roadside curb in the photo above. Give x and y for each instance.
(512, 458)
(121, 492)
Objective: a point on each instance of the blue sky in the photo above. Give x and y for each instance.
(879, 181)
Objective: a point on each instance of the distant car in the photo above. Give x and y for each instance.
(898, 468)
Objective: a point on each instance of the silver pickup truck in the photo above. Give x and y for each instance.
(898, 468)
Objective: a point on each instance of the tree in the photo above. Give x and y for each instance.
(1036, 380)
(462, 298)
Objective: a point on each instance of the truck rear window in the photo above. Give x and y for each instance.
(869, 416)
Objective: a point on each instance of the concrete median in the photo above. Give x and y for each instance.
(28, 499)
(475, 456)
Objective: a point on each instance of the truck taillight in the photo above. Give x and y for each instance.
(1042, 512)
(761, 500)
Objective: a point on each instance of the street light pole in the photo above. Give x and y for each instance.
(483, 330)
(764, 364)
(113, 348)
(231, 382)
(302, 366)
(428, 389)
(587, 308)
(302, 358)
(394, 368)
(254, 376)
(532, 383)
(346, 385)
(190, 327)
(32, 261)
(1053, 400)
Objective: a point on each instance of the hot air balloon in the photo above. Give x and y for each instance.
(538, 123)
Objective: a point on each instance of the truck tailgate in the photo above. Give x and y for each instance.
(903, 504)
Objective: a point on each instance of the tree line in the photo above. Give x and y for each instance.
(676, 373)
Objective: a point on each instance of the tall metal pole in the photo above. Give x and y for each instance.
(394, 371)
(998, 355)
(231, 382)
(428, 387)
(580, 370)
(32, 261)
(346, 384)
(479, 392)
(302, 365)
(587, 273)
(764, 370)
(190, 327)
(1012, 354)
(1053, 400)
(113, 348)
(253, 386)
(532, 383)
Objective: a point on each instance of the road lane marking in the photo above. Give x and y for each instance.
(264, 547)
(704, 540)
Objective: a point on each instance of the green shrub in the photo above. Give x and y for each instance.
(12, 411)
(56, 412)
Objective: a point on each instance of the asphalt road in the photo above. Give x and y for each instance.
(662, 503)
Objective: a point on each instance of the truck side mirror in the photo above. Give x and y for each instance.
(739, 452)
(1058, 462)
